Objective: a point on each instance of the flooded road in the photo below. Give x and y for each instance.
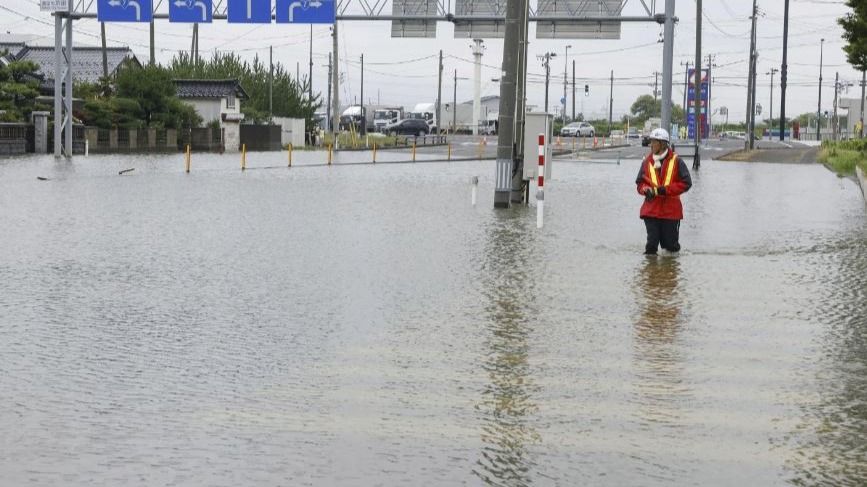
(366, 325)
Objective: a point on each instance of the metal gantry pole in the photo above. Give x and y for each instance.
(67, 102)
(667, 63)
(58, 82)
(310, 75)
(363, 117)
(517, 194)
(611, 103)
(751, 80)
(508, 88)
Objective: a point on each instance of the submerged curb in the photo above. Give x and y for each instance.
(862, 182)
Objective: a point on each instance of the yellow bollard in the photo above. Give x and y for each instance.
(290, 155)
(243, 157)
(374, 152)
(413, 150)
(450, 151)
(187, 159)
(329, 154)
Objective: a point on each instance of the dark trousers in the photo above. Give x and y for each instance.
(664, 232)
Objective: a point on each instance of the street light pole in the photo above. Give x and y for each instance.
(819, 108)
(771, 121)
(565, 81)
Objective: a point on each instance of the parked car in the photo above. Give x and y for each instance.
(578, 129)
(632, 133)
(616, 133)
(645, 140)
(408, 126)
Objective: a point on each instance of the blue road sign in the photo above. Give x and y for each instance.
(249, 12)
(124, 10)
(190, 11)
(305, 11)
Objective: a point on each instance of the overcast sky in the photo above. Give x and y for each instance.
(404, 71)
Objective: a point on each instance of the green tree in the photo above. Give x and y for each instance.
(19, 87)
(854, 26)
(151, 87)
(645, 106)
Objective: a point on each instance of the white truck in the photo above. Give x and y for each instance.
(383, 117)
(426, 112)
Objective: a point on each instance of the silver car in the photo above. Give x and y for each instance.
(578, 129)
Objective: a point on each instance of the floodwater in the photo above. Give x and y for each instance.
(366, 325)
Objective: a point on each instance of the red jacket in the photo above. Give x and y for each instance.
(670, 182)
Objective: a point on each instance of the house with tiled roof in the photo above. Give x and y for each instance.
(86, 60)
(213, 99)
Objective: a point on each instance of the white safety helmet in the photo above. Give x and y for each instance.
(659, 134)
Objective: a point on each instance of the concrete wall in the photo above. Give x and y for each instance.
(291, 131)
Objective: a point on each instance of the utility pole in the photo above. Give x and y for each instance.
(270, 84)
(329, 121)
(310, 75)
(547, 64)
(153, 58)
(335, 86)
(783, 72)
(363, 117)
(863, 82)
(611, 103)
(685, 92)
(478, 50)
(836, 122)
(709, 95)
(455, 105)
(667, 63)
(771, 122)
(194, 52)
(439, 93)
(573, 89)
(565, 82)
(699, 124)
(819, 109)
(516, 23)
(751, 101)
(517, 194)
(656, 85)
(105, 53)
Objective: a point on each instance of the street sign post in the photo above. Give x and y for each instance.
(305, 11)
(124, 10)
(191, 11)
(702, 105)
(249, 12)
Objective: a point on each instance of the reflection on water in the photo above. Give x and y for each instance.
(658, 358)
(832, 444)
(507, 401)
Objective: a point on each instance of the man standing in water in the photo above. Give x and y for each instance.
(662, 178)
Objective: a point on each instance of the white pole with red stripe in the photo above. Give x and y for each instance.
(540, 183)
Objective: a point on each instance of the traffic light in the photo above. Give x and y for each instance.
(586, 90)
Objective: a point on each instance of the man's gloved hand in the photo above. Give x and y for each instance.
(649, 193)
(660, 191)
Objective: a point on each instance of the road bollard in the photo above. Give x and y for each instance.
(374, 152)
(540, 184)
(290, 155)
(475, 182)
(86, 147)
(243, 157)
(450, 151)
(329, 154)
(413, 150)
(187, 159)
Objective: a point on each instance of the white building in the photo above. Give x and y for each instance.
(213, 99)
